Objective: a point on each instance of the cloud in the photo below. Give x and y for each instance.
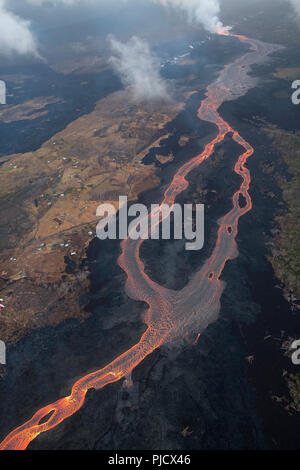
(15, 34)
(205, 12)
(296, 6)
(53, 2)
(138, 68)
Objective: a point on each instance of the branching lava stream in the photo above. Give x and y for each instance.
(171, 314)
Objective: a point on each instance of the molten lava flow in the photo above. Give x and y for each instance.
(172, 314)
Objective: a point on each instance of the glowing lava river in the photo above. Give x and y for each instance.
(171, 314)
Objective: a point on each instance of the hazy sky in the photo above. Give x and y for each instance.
(20, 19)
(17, 31)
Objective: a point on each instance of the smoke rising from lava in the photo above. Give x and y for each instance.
(296, 6)
(205, 12)
(16, 34)
(138, 68)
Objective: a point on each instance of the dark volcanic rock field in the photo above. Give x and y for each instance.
(203, 396)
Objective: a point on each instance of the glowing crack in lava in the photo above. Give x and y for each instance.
(171, 314)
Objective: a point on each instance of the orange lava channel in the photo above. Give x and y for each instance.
(171, 314)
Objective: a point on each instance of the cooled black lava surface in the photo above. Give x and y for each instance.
(203, 389)
(77, 95)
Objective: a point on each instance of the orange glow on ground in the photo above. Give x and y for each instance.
(171, 314)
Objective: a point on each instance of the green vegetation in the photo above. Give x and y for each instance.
(294, 386)
(286, 260)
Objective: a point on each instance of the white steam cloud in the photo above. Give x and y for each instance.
(15, 34)
(138, 68)
(296, 6)
(53, 2)
(205, 12)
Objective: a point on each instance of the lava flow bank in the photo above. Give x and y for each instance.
(171, 314)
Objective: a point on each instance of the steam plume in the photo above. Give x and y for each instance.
(15, 34)
(205, 12)
(296, 6)
(138, 68)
